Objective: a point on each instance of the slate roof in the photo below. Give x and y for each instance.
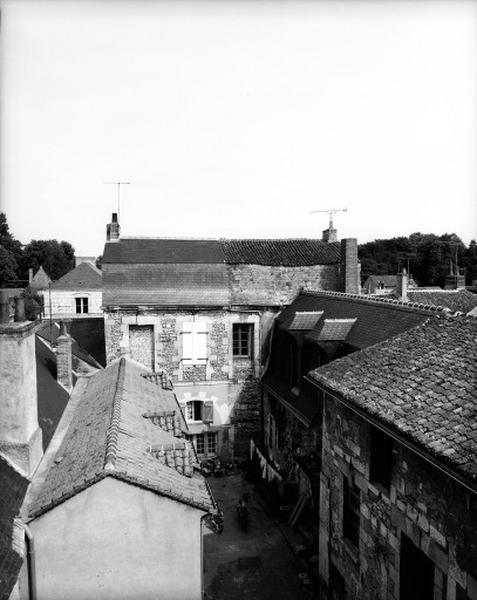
(51, 335)
(455, 300)
(83, 277)
(40, 280)
(377, 319)
(169, 285)
(52, 397)
(286, 252)
(422, 383)
(13, 487)
(108, 435)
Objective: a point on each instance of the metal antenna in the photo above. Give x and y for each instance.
(119, 184)
(330, 211)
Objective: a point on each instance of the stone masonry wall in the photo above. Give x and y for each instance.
(434, 511)
(240, 373)
(276, 286)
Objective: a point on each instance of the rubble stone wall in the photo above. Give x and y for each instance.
(434, 511)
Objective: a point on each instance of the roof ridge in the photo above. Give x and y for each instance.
(112, 433)
(410, 306)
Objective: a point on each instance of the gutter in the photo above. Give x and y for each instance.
(395, 436)
(31, 563)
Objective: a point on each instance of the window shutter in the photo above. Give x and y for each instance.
(208, 412)
(187, 342)
(200, 342)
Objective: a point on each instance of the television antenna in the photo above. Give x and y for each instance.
(119, 184)
(331, 212)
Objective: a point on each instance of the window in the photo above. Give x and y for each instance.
(198, 410)
(272, 433)
(194, 343)
(194, 410)
(351, 502)
(242, 340)
(206, 444)
(81, 305)
(381, 458)
(416, 572)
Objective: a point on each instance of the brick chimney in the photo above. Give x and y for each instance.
(64, 362)
(350, 267)
(112, 229)
(20, 434)
(402, 282)
(330, 234)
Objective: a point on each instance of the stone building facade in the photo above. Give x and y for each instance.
(398, 493)
(202, 310)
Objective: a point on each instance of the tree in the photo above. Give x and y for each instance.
(57, 258)
(470, 263)
(33, 304)
(10, 255)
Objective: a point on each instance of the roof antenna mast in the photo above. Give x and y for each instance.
(119, 184)
(330, 212)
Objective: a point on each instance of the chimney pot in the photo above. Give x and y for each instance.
(30, 275)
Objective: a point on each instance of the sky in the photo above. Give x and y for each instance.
(237, 119)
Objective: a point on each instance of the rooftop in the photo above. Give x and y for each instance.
(83, 277)
(376, 318)
(270, 252)
(118, 424)
(422, 383)
(460, 300)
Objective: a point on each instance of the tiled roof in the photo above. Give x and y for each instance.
(108, 435)
(422, 383)
(12, 491)
(331, 330)
(286, 252)
(376, 319)
(169, 285)
(83, 277)
(455, 300)
(305, 319)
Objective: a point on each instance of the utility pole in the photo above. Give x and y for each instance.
(119, 184)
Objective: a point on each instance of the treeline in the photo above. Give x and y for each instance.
(430, 257)
(57, 258)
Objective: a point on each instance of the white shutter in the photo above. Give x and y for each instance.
(187, 343)
(200, 342)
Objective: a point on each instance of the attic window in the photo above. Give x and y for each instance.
(305, 319)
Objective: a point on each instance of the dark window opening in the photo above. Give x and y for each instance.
(81, 305)
(294, 365)
(351, 519)
(242, 339)
(381, 458)
(417, 572)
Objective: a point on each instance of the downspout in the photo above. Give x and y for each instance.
(31, 565)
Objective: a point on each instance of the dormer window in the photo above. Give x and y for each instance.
(81, 305)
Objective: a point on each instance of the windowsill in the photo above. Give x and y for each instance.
(241, 357)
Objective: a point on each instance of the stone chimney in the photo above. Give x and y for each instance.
(330, 234)
(64, 362)
(30, 275)
(350, 267)
(402, 282)
(20, 434)
(112, 229)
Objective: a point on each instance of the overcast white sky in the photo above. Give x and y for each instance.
(235, 119)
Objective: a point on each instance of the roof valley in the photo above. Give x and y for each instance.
(113, 430)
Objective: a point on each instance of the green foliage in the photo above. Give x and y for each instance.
(430, 263)
(57, 258)
(10, 255)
